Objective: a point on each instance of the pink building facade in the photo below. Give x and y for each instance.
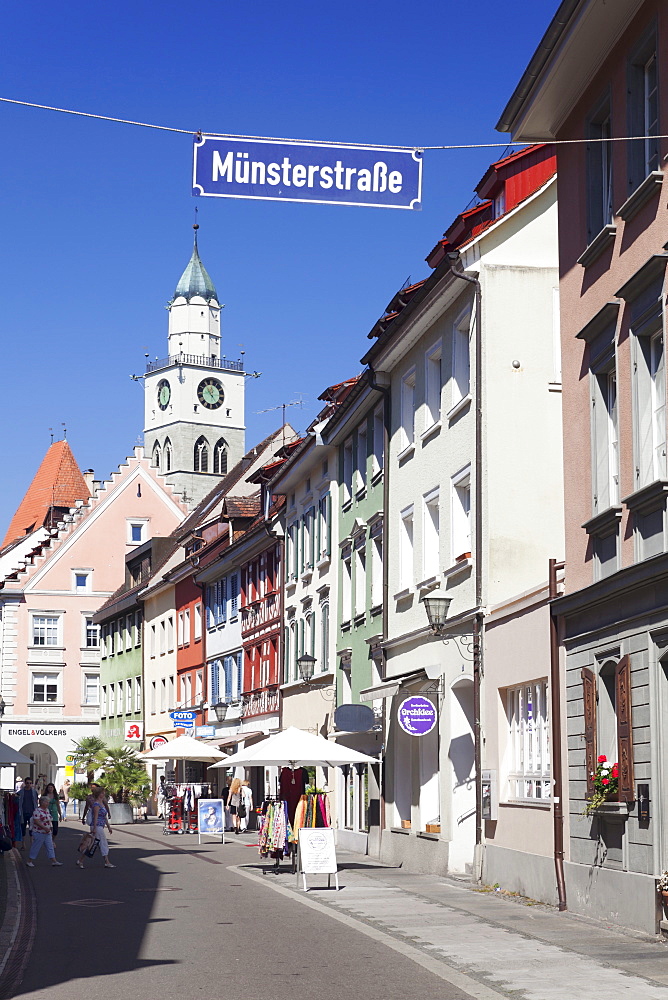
(595, 78)
(49, 645)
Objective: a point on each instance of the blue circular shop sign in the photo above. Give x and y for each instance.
(417, 715)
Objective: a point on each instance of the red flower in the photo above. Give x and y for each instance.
(615, 771)
(604, 781)
(602, 759)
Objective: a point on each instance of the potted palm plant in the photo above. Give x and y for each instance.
(127, 783)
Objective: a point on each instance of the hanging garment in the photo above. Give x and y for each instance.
(292, 786)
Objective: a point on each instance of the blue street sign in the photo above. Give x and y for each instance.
(272, 170)
(184, 720)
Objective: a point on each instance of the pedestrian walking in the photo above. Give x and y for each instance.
(233, 803)
(246, 805)
(54, 808)
(99, 825)
(161, 797)
(64, 797)
(87, 815)
(40, 784)
(27, 801)
(41, 826)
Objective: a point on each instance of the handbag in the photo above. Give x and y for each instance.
(90, 851)
(85, 842)
(241, 810)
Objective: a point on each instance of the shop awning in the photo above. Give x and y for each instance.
(229, 741)
(380, 691)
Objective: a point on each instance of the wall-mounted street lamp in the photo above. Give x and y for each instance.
(306, 665)
(437, 604)
(220, 708)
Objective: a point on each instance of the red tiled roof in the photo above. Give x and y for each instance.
(58, 483)
(241, 506)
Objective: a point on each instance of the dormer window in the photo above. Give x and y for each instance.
(500, 204)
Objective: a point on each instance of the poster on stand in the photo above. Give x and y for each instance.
(317, 853)
(211, 818)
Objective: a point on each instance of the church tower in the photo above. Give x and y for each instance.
(194, 398)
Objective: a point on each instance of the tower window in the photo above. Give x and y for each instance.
(220, 458)
(167, 456)
(156, 456)
(201, 456)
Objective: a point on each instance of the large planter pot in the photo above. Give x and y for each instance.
(120, 814)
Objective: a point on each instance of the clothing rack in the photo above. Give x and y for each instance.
(276, 837)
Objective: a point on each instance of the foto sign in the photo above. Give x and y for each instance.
(417, 715)
(183, 720)
(325, 174)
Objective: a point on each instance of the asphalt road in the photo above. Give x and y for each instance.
(174, 923)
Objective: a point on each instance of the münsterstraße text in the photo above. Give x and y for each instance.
(269, 170)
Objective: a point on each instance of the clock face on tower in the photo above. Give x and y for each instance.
(210, 393)
(164, 394)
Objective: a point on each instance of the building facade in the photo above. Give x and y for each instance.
(598, 77)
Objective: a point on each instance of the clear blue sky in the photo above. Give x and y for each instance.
(96, 217)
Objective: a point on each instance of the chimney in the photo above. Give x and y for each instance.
(89, 476)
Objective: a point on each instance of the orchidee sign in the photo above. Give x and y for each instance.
(417, 715)
(333, 174)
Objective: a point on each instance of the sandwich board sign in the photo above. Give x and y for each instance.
(317, 854)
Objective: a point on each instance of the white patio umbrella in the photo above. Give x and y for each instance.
(294, 748)
(8, 755)
(186, 748)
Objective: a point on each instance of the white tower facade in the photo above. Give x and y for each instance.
(194, 426)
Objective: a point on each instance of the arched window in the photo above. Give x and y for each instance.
(201, 456)
(156, 456)
(167, 456)
(220, 458)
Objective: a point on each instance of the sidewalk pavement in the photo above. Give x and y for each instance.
(482, 943)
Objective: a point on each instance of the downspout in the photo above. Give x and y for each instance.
(555, 712)
(385, 391)
(479, 618)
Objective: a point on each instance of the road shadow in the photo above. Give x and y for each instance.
(90, 923)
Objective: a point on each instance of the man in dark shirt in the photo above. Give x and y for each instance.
(27, 799)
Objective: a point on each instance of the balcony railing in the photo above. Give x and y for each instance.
(199, 360)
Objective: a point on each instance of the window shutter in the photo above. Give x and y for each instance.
(228, 678)
(589, 696)
(234, 596)
(624, 729)
(240, 679)
(215, 690)
(223, 599)
(209, 591)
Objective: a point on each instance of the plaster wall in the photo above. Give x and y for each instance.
(159, 668)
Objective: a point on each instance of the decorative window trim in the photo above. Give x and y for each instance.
(598, 245)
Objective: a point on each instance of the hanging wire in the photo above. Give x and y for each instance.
(505, 145)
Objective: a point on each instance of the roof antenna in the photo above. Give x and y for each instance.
(64, 431)
(51, 431)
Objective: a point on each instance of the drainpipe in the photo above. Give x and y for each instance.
(385, 390)
(457, 270)
(555, 712)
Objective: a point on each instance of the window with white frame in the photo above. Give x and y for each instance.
(170, 633)
(529, 745)
(643, 109)
(186, 627)
(171, 690)
(137, 530)
(658, 383)
(360, 577)
(324, 637)
(649, 385)
(605, 478)
(461, 514)
(81, 581)
(378, 440)
(138, 627)
(112, 699)
(121, 697)
(92, 634)
(377, 570)
(308, 538)
(154, 697)
(430, 534)
(163, 637)
(361, 457)
(128, 696)
(406, 549)
(198, 622)
(46, 630)
(91, 689)
(347, 470)
(128, 632)
(461, 372)
(432, 385)
(45, 688)
(265, 663)
(138, 707)
(103, 702)
(199, 686)
(407, 402)
(163, 694)
(179, 628)
(152, 644)
(324, 526)
(346, 585)
(292, 550)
